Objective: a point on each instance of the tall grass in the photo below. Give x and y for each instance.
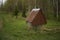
(16, 29)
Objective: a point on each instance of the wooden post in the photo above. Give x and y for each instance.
(1, 24)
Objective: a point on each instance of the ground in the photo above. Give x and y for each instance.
(16, 29)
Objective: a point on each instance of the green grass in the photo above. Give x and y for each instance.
(16, 29)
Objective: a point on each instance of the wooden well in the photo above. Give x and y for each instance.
(36, 17)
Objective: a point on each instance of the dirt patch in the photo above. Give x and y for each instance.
(54, 30)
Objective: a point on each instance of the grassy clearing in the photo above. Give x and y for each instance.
(16, 29)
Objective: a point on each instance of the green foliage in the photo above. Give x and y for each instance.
(16, 29)
(49, 7)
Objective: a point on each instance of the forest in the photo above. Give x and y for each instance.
(13, 14)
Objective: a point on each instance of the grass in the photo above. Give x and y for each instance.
(16, 29)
